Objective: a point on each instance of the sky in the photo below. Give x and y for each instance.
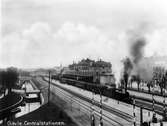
(47, 33)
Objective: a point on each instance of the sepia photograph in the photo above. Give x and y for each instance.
(83, 63)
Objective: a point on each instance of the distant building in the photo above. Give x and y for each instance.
(101, 71)
(92, 66)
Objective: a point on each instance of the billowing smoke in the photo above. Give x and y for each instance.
(136, 49)
(141, 66)
(132, 64)
(137, 54)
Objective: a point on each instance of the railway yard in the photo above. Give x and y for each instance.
(113, 110)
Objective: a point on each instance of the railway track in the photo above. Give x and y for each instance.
(6, 106)
(87, 107)
(145, 103)
(68, 97)
(118, 113)
(148, 106)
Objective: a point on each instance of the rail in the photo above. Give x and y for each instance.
(105, 107)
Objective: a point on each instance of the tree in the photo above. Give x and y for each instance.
(133, 79)
(1, 86)
(165, 80)
(162, 83)
(138, 80)
(159, 76)
(149, 85)
(3, 80)
(11, 78)
(126, 76)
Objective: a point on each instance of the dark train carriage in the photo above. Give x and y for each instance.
(108, 91)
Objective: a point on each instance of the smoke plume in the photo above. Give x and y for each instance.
(132, 64)
(136, 49)
(128, 66)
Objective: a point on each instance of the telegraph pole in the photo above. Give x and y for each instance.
(164, 107)
(154, 119)
(101, 114)
(92, 113)
(49, 88)
(141, 115)
(134, 114)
